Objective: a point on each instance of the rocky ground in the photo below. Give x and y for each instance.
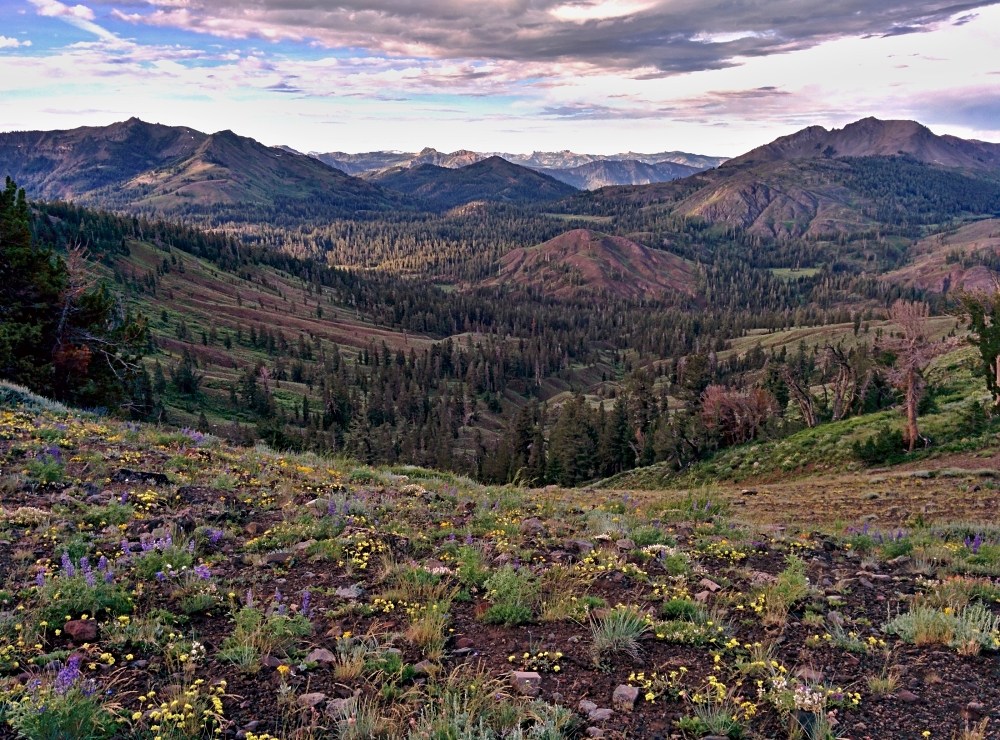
(162, 584)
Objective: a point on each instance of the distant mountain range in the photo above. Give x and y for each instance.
(816, 183)
(582, 171)
(820, 184)
(178, 171)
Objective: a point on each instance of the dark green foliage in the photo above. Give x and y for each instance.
(884, 447)
(58, 335)
(983, 317)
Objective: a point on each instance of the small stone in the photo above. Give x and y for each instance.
(463, 643)
(835, 618)
(586, 706)
(321, 655)
(709, 585)
(625, 545)
(532, 525)
(624, 697)
(253, 529)
(975, 709)
(81, 630)
(526, 683)
(594, 732)
(702, 596)
(312, 700)
(749, 492)
(278, 558)
(905, 695)
(424, 668)
(351, 593)
(600, 715)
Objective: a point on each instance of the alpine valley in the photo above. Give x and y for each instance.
(485, 445)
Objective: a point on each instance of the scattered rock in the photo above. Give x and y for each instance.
(600, 715)
(311, 700)
(278, 558)
(594, 732)
(253, 529)
(532, 525)
(586, 706)
(81, 630)
(463, 643)
(975, 709)
(709, 585)
(351, 593)
(526, 683)
(125, 475)
(579, 547)
(625, 545)
(907, 696)
(321, 655)
(424, 668)
(702, 596)
(624, 697)
(749, 492)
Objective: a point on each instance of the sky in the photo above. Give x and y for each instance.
(599, 76)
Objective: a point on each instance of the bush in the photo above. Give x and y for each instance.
(884, 447)
(513, 594)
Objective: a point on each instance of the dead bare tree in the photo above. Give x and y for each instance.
(802, 395)
(914, 352)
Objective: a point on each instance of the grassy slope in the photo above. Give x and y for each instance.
(262, 521)
(826, 449)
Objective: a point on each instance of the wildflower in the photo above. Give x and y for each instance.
(68, 676)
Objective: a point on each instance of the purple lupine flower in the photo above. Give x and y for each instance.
(306, 598)
(102, 564)
(40, 579)
(278, 596)
(126, 548)
(191, 547)
(84, 564)
(109, 577)
(203, 572)
(977, 542)
(249, 597)
(91, 578)
(55, 453)
(123, 499)
(67, 565)
(161, 576)
(468, 539)
(68, 676)
(215, 535)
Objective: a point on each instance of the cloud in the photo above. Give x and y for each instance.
(6, 42)
(79, 16)
(56, 9)
(655, 36)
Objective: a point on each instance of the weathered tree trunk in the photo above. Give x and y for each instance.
(912, 398)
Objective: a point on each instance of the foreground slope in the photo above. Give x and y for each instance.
(313, 597)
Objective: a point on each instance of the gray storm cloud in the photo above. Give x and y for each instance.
(667, 36)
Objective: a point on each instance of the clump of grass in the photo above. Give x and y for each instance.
(617, 633)
(886, 682)
(513, 594)
(968, 630)
(258, 632)
(789, 587)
